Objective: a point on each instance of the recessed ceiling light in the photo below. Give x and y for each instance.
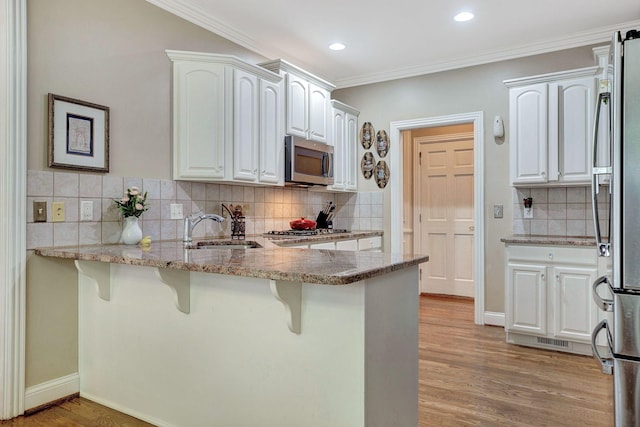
(463, 16)
(336, 46)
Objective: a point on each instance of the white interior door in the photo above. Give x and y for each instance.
(445, 215)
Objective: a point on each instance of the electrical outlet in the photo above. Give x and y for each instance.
(86, 210)
(497, 211)
(176, 211)
(57, 212)
(39, 211)
(528, 213)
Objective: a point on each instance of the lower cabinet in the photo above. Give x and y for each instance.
(548, 299)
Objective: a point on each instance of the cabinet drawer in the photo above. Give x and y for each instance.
(347, 245)
(553, 254)
(370, 243)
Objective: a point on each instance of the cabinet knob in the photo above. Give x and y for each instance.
(543, 173)
(542, 276)
(550, 255)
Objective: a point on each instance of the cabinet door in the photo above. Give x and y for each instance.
(574, 312)
(339, 154)
(297, 106)
(526, 308)
(198, 116)
(575, 103)
(245, 126)
(351, 153)
(319, 112)
(347, 245)
(271, 137)
(528, 129)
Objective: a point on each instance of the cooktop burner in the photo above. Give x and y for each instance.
(313, 232)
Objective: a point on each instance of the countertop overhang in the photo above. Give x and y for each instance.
(319, 266)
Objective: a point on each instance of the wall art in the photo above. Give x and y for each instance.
(382, 143)
(382, 174)
(367, 133)
(78, 134)
(366, 165)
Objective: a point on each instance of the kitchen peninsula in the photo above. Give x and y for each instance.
(252, 337)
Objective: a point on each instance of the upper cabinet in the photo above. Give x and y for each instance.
(550, 127)
(227, 120)
(344, 123)
(308, 102)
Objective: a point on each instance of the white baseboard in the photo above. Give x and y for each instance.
(493, 318)
(50, 391)
(125, 410)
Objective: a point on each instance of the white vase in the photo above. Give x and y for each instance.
(131, 233)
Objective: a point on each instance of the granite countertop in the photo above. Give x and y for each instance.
(326, 267)
(293, 240)
(550, 240)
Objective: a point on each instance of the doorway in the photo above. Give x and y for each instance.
(399, 238)
(443, 209)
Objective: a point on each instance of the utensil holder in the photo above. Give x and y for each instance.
(321, 221)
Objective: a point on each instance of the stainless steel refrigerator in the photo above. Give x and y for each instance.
(618, 184)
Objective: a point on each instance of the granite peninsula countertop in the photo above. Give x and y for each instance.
(549, 240)
(319, 266)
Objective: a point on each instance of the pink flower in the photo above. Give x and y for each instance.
(125, 199)
(134, 191)
(139, 206)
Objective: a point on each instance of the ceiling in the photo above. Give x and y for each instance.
(393, 39)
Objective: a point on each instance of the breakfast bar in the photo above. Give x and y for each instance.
(247, 337)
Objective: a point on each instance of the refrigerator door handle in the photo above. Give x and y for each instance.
(605, 304)
(606, 364)
(603, 247)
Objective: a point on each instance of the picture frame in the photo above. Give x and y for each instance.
(78, 134)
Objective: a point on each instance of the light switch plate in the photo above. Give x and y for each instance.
(39, 211)
(86, 210)
(498, 211)
(57, 212)
(176, 211)
(528, 213)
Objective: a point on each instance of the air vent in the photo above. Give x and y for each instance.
(553, 342)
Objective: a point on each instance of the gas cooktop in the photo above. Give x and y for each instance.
(299, 233)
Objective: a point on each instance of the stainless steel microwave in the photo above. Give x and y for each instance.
(307, 162)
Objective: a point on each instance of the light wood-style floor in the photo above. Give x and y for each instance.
(468, 377)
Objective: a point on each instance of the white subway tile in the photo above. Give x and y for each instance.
(90, 186)
(39, 234)
(112, 187)
(65, 184)
(39, 183)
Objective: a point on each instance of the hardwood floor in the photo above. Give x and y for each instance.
(469, 376)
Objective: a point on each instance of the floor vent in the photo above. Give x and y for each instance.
(554, 342)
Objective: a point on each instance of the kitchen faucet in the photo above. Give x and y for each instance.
(190, 223)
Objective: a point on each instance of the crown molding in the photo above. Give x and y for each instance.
(584, 38)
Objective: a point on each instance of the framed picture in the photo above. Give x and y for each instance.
(78, 134)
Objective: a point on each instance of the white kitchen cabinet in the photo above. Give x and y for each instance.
(344, 121)
(308, 107)
(550, 126)
(198, 120)
(227, 120)
(548, 299)
(257, 152)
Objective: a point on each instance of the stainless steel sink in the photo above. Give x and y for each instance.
(226, 244)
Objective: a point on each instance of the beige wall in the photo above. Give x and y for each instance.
(471, 89)
(112, 53)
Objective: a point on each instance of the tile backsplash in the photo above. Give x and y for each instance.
(558, 211)
(266, 208)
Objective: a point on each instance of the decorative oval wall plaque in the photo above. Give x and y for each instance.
(366, 135)
(366, 165)
(382, 143)
(382, 174)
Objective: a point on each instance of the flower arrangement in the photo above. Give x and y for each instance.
(134, 203)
